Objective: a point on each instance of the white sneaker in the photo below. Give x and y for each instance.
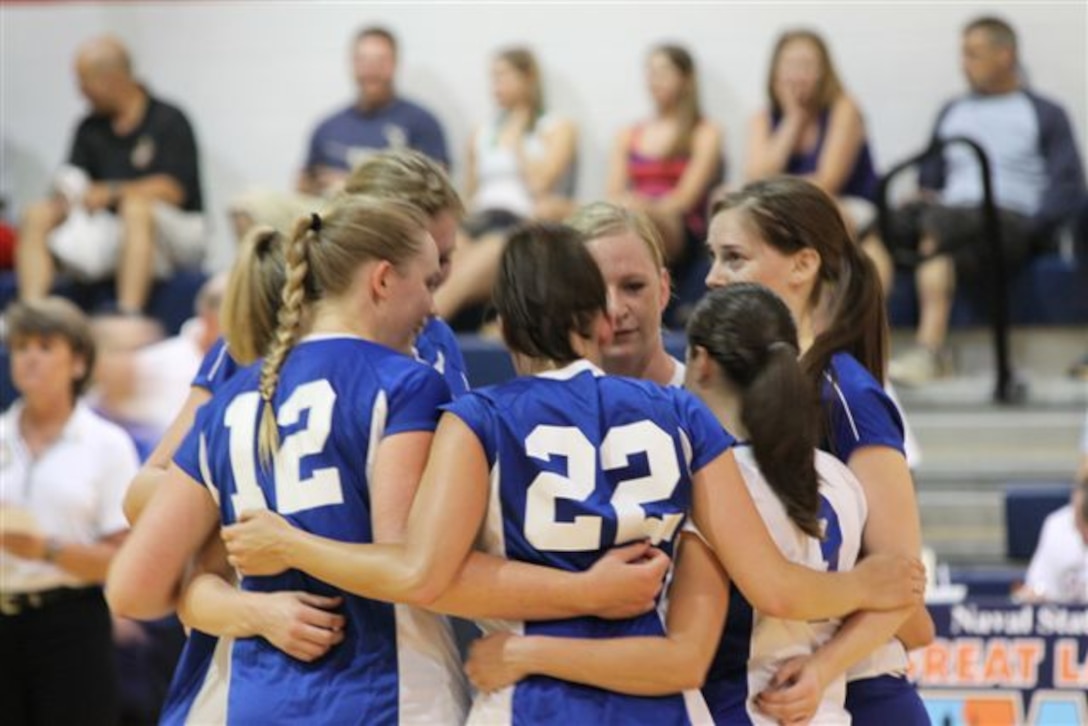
(919, 366)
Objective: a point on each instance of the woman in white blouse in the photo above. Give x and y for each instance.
(63, 475)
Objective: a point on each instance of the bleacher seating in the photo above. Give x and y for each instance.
(171, 301)
(1027, 505)
(986, 582)
(1049, 290)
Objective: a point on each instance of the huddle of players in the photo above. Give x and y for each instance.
(342, 475)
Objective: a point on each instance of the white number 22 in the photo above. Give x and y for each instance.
(584, 532)
(293, 493)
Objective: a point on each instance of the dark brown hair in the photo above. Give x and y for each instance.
(791, 214)
(548, 287)
(749, 332)
(999, 31)
(377, 31)
(54, 317)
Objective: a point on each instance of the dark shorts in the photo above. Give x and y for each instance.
(885, 701)
(489, 221)
(959, 233)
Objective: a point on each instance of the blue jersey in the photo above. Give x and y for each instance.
(337, 397)
(582, 462)
(436, 345)
(753, 645)
(216, 368)
(857, 410)
(859, 413)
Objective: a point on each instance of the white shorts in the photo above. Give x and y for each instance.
(89, 245)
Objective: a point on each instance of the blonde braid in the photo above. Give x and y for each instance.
(286, 334)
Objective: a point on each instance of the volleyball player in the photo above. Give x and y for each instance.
(556, 467)
(628, 248)
(345, 438)
(788, 235)
(742, 362)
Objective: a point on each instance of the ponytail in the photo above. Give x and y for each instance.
(858, 320)
(783, 437)
(252, 298)
(751, 336)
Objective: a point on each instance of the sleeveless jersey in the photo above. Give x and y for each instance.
(337, 397)
(436, 345)
(216, 368)
(753, 645)
(581, 462)
(860, 413)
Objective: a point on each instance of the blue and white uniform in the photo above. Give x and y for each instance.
(337, 397)
(216, 368)
(860, 413)
(437, 346)
(754, 645)
(581, 462)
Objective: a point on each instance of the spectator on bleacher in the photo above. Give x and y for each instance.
(128, 203)
(63, 474)
(1038, 183)
(812, 128)
(666, 165)
(142, 390)
(519, 166)
(377, 119)
(1059, 568)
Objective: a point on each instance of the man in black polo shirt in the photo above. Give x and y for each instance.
(129, 202)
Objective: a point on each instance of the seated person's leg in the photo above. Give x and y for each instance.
(33, 260)
(136, 266)
(158, 239)
(472, 274)
(936, 281)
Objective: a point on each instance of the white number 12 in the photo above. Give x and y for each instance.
(293, 493)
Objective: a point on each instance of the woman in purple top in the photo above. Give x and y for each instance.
(812, 128)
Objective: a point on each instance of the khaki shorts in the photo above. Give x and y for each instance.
(88, 246)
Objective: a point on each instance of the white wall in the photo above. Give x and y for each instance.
(254, 77)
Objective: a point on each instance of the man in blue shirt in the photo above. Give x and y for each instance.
(1038, 184)
(377, 119)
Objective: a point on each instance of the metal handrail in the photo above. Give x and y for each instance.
(1004, 389)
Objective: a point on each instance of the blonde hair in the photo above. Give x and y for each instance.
(409, 175)
(604, 219)
(829, 87)
(252, 298)
(321, 259)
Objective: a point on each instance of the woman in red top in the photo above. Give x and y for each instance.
(665, 165)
